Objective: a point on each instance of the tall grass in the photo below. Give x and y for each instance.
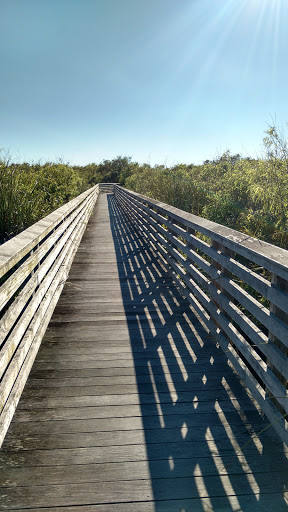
(29, 192)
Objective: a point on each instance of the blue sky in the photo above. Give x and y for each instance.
(162, 81)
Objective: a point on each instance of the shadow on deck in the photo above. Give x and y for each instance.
(197, 417)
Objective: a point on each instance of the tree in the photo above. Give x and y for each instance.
(113, 171)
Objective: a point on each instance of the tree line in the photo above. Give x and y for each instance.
(247, 194)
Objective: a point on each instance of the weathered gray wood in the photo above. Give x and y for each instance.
(44, 296)
(18, 277)
(118, 411)
(130, 452)
(264, 503)
(13, 312)
(36, 429)
(116, 400)
(273, 257)
(88, 377)
(150, 415)
(135, 470)
(252, 305)
(41, 293)
(280, 313)
(18, 371)
(49, 441)
(136, 490)
(106, 188)
(179, 248)
(257, 336)
(277, 419)
(260, 284)
(16, 335)
(16, 248)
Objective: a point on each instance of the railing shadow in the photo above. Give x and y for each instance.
(196, 414)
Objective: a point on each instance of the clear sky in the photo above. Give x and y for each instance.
(162, 81)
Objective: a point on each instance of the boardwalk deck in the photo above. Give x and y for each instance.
(130, 406)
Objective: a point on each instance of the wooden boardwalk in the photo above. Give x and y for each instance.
(130, 406)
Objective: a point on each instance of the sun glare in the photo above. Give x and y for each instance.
(230, 40)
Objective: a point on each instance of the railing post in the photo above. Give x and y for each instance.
(223, 271)
(170, 244)
(191, 231)
(170, 232)
(280, 284)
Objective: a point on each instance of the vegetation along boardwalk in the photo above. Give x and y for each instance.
(130, 404)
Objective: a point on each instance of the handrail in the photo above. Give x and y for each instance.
(34, 266)
(238, 288)
(107, 187)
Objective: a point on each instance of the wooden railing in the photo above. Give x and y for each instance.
(238, 288)
(236, 284)
(33, 268)
(107, 187)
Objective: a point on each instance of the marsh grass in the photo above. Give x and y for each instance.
(29, 192)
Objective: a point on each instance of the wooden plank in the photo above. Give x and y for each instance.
(138, 490)
(185, 358)
(109, 367)
(142, 372)
(116, 353)
(48, 441)
(193, 451)
(114, 411)
(85, 378)
(248, 502)
(183, 397)
(260, 502)
(137, 470)
(201, 420)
